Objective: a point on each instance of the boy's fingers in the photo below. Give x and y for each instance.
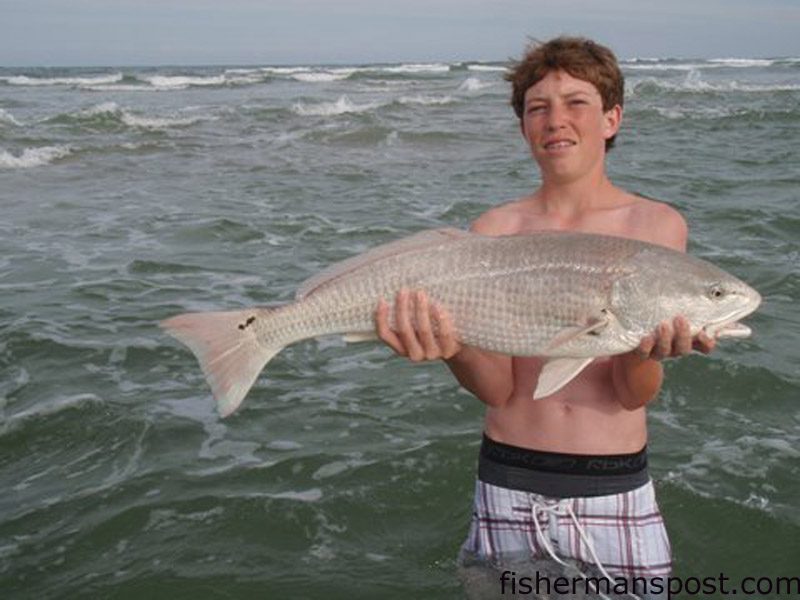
(663, 347)
(385, 332)
(430, 347)
(447, 334)
(405, 330)
(682, 341)
(645, 348)
(704, 343)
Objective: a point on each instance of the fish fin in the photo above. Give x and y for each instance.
(227, 348)
(423, 239)
(557, 373)
(570, 333)
(360, 336)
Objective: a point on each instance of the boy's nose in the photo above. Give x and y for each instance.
(555, 118)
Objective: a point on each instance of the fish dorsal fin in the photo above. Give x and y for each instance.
(423, 239)
(557, 373)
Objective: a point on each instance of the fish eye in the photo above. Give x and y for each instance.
(716, 291)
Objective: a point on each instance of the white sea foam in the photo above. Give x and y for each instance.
(391, 138)
(181, 82)
(698, 112)
(285, 70)
(157, 122)
(776, 87)
(309, 495)
(250, 71)
(426, 100)
(150, 83)
(693, 66)
(641, 60)
(694, 82)
(24, 80)
(418, 68)
(315, 75)
(125, 87)
(486, 68)
(325, 109)
(33, 157)
(6, 118)
(742, 62)
(243, 78)
(53, 406)
(134, 120)
(473, 84)
(323, 76)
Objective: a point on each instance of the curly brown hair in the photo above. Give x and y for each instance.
(580, 57)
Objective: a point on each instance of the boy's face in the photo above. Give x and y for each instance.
(565, 126)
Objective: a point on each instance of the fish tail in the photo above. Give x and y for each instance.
(230, 353)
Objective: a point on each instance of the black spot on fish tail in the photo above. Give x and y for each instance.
(246, 324)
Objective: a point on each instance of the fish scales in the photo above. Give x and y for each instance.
(508, 295)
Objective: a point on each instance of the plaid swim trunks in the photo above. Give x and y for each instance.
(555, 505)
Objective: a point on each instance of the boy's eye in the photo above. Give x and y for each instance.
(536, 108)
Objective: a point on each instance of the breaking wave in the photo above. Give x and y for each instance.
(659, 64)
(182, 82)
(322, 76)
(426, 100)
(694, 83)
(33, 157)
(119, 82)
(109, 115)
(6, 118)
(473, 84)
(25, 80)
(343, 105)
(487, 68)
(325, 109)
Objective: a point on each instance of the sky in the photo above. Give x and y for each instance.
(191, 32)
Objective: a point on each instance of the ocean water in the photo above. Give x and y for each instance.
(132, 194)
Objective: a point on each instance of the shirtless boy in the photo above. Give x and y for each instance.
(565, 476)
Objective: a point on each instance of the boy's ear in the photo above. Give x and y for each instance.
(613, 119)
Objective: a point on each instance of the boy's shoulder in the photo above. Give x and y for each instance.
(635, 215)
(662, 224)
(505, 219)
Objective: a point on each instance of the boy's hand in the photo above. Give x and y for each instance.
(423, 331)
(672, 340)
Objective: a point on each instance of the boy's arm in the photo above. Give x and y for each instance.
(638, 375)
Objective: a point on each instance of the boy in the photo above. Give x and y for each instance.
(565, 476)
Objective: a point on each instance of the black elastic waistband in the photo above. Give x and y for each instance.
(568, 464)
(560, 475)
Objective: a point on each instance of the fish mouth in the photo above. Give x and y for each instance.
(732, 330)
(729, 326)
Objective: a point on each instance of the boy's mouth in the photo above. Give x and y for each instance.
(558, 144)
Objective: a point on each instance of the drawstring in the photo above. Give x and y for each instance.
(553, 510)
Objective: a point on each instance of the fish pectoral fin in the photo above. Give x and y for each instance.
(557, 373)
(360, 336)
(565, 336)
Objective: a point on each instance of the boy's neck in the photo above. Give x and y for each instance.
(570, 199)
